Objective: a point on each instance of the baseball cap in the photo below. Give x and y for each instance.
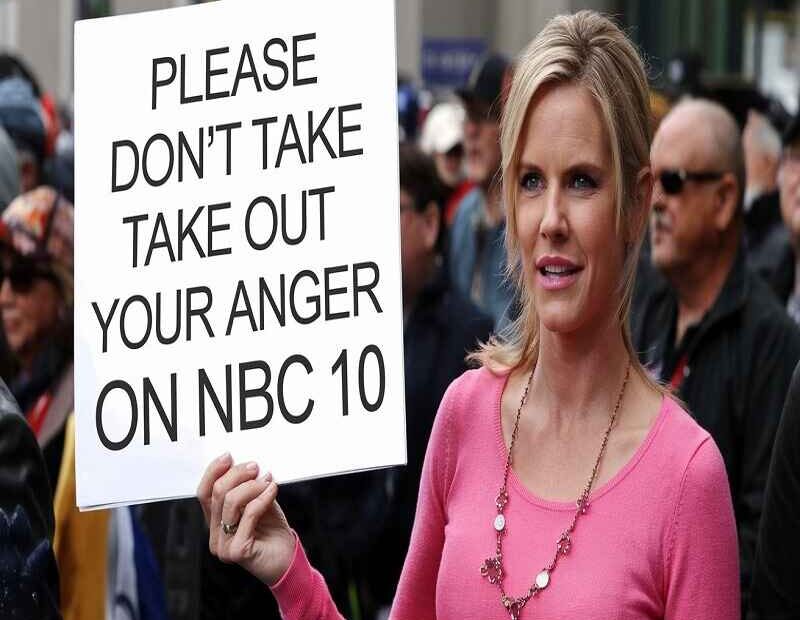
(443, 128)
(487, 82)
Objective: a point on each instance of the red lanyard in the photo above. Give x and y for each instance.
(679, 373)
(38, 413)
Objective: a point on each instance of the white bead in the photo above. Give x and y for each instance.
(499, 523)
(542, 579)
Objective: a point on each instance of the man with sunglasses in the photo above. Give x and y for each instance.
(477, 250)
(711, 328)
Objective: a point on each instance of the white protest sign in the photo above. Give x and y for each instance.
(237, 245)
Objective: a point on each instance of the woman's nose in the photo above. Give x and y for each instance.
(554, 222)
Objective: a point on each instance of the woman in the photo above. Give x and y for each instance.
(36, 253)
(561, 409)
(94, 550)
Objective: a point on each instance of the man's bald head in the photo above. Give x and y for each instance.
(696, 223)
(710, 135)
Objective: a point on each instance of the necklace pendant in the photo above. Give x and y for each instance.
(543, 579)
(492, 570)
(513, 607)
(564, 543)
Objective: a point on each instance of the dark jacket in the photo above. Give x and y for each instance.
(768, 244)
(775, 595)
(28, 573)
(739, 360)
(23, 477)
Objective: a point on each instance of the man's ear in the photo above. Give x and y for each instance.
(726, 201)
(432, 221)
(641, 208)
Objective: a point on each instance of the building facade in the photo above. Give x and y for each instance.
(438, 40)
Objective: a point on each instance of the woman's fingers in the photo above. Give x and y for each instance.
(256, 509)
(215, 469)
(235, 476)
(237, 498)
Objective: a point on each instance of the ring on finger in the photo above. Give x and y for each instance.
(229, 529)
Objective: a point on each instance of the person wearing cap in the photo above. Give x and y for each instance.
(712, 329)
(477, 249)
(443, 139)
(789, 188)
(95, 550)
(21, 115)
(36, 254)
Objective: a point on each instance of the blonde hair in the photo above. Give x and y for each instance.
(587, 49)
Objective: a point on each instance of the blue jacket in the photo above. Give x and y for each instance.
(477, 258)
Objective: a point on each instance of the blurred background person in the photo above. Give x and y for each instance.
(713, 330)
(96, 551)
(443, 139)
(40, 130)
(775, 595)
(21, 117)
(766, 237)
(9, 172)
(28, 573)
(477, 247)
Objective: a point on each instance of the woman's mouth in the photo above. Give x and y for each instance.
(557, 274)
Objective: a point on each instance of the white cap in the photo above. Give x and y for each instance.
(443, 128)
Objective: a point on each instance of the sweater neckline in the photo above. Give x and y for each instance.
(597, 492)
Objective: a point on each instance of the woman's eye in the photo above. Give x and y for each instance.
(531, 182)
(583, 181)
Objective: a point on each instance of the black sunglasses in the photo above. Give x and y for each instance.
(673, 180)
(23, 271)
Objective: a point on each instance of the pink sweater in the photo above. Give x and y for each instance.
(658, 540)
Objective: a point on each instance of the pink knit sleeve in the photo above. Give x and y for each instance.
(302, 593)
(415, 598)
(702, 561)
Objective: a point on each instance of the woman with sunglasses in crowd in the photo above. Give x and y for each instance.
(560, 480)
(36, 256)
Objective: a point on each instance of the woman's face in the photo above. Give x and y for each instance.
(30, 306)
(572, 256)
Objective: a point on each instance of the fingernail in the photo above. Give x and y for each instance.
(251, 467)
(268, 477)
(224, 457)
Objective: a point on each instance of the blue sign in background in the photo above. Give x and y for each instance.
(448, 62)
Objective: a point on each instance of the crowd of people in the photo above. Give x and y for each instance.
(591, 245)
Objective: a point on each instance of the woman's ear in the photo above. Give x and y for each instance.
(641, 208)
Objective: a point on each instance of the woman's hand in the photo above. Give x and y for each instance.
(258, 536)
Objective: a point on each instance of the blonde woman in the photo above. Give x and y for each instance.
(560, 481)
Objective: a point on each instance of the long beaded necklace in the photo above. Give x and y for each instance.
(492, 568)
